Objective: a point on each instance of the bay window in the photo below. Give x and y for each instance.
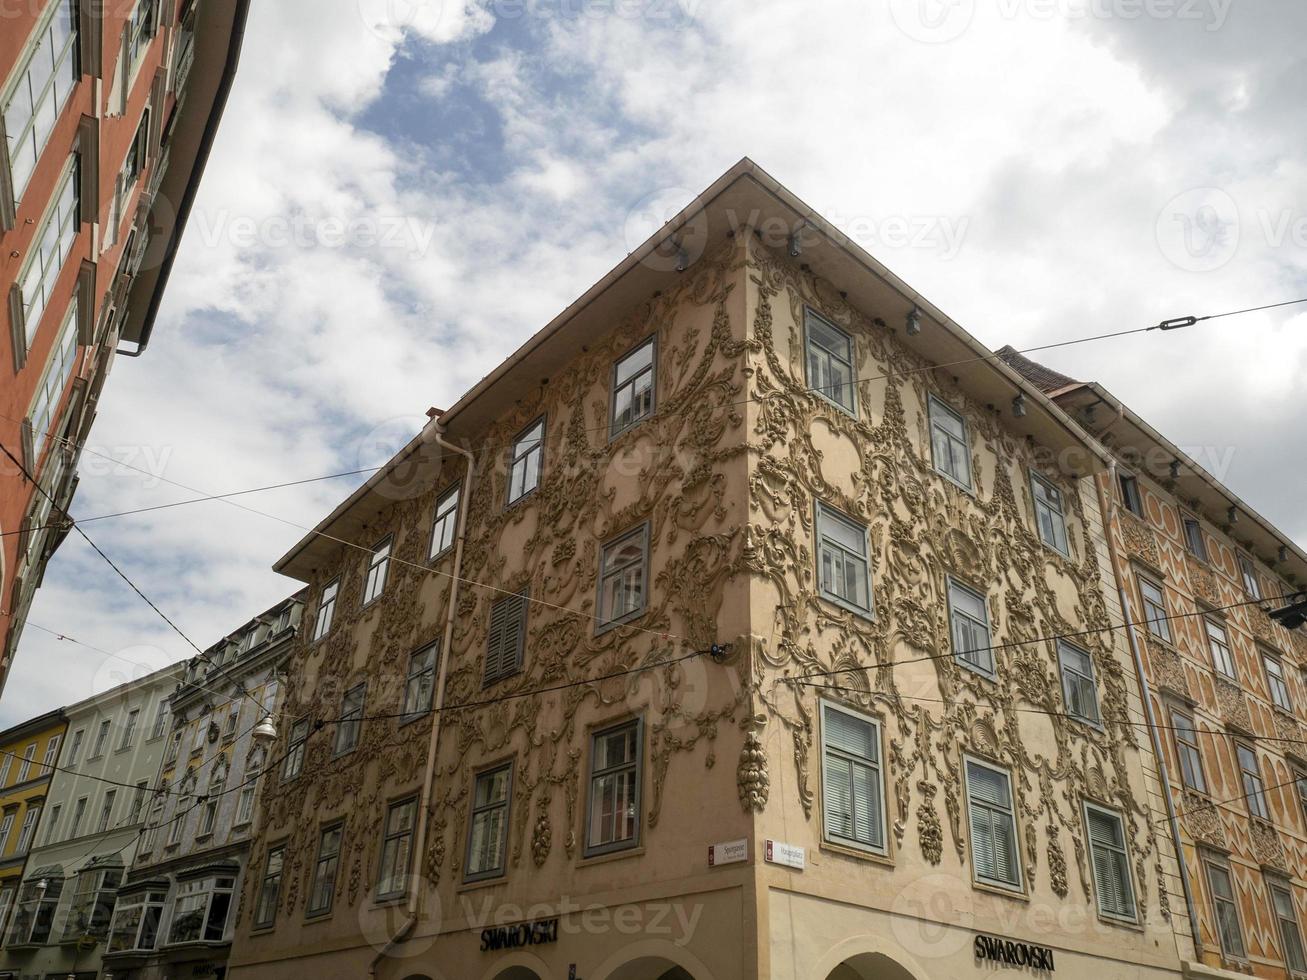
(199, 912)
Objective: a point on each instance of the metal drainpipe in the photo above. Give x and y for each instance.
(419, 837)
(1163, 773)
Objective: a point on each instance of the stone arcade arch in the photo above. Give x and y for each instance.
(870, 966)
(653, 960)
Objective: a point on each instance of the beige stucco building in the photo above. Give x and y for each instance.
(889, 768)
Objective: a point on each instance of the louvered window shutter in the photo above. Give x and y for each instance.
(507, 632)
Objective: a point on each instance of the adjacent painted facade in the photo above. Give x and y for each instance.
(175, 908)
(27, 757)
(107, 112)
(707, 660)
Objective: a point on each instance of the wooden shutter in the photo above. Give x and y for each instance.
(507, 636)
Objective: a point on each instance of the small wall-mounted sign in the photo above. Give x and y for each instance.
(728, 852)
(789, 855)
(523, 934)
(1012, 953)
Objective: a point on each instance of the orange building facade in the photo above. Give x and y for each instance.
(109, 110)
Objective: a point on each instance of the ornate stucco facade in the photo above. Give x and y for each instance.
(556, 774)
(1202, 571)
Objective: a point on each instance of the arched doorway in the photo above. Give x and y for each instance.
(869, 966)
(651, 965)
(517, 973)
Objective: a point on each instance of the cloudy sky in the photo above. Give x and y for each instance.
(404, 190)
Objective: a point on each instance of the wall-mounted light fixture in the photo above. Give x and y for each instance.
(1019, 405)
(913, 325)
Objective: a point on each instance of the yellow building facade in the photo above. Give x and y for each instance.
(27, 753)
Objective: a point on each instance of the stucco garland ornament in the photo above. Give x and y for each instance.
(542, 838)
(754, 783)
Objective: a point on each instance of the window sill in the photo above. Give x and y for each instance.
(388, 901)
(615, 434)
(475, 883)
(1133, 925)
(969, 491)
(410, 719)
(636, 850)
(517, 500)
(847, 607)
(312, 918)
(857, 853)
(989, 676)
(609, 625)
(823, 397)
(1003, 891)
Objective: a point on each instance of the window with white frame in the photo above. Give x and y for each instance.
(420, 682)
(1111, 860)
(613, 813)
(852, 792)
(6, 902)
(136, 921)
(445, 525)
(994, 852)
(265, 909)
(524, 464)
(326, 609)
(233, 720)
(101, 740)
(1050, 515)
(1226, 908)
(27, 836)
(1276, 681)
(1248, 572)
(200, 734)
(299, 734)
(1156, 617)
(74, 750)
(79, 813)
(374, 582)
(50, 248)
(1218, 641)
(41, 86)
(949, 444)
(1188, 751)
(209, 812)
(54, 381)
(174, 749)
(51, 825)
(128, 175)
(38, 900)
(154, 822)
(161, 714)
(137, 810)
(6, 828)
(322, 890)
(106, 811)
(1078, 687)
(93, 899)
(1250, 774)
(1193, 537)
(487, 839)
(829, 358)
(129, 729)
(973, 646)
(506, 639)
(623, 569)
(140, 32)
(843, 567)
(1300, 780)
(633, 387)
(396, 848)
(51, 754)
(249, 792)
(5, 765)
(200, 910)
(25, 766)
(350, 724)
(1287, 917)
(1130, 495)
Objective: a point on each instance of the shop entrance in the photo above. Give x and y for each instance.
(869, 966)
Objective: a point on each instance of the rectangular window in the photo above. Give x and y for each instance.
(1111, 860)
(233, 720)
(161, 714)
(852, 793)
(487, 839)
(129, 730)
(265, 911)
(326, 607)
(1078, 683)
(51, 827)
(174, 749)
(1155, 614)
(350, 725)
(524, 465)
(949, 444)
(51, 754)
(74, 750)
(1290, 934)
(1219, 643)
(1276, 681)
(101, 740)
(396, 848)
(5, 766)
(375, 582)
(28, 833)
(136, 922)
(969, 621)
(48, 252)
(199, 912)
(6, 828)
(1049, 514)
(446, 523)
(1130, 495)
(138, 803)
(1248, 571)
(34, 918)
(993, 826)
(613, 815)
(140, 31)
(79, 811)
(245, 805)
(633, 387)
(1188, 752)
(25, 767)
(6, 902)
(299, 734)
(35, 101)
(106, 811)
(323, 892)
(1193, 537)
(1251, 775)
(92, 905)
(507, 637)
(623, 570)
(1226, 909)
(420, 683)
(830, 362)
(843, 569)
(154, 821)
